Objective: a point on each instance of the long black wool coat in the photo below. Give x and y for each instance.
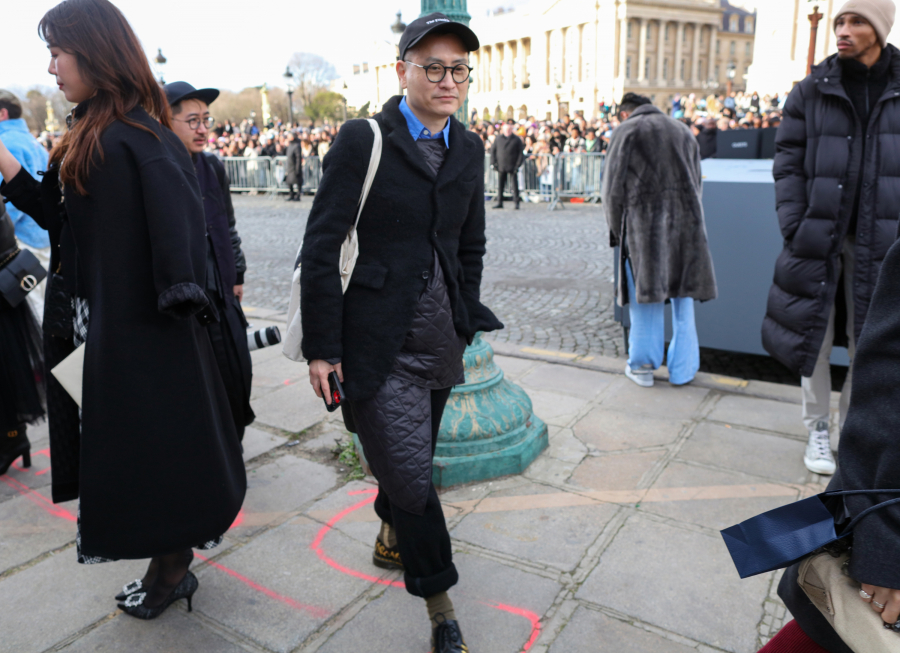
(408, 215)
(160, 462)
(818, 157)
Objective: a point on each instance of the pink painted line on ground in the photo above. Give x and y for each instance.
(239, 519)
(317, 543)
(315, 611)
(521, 612)
(39, 500)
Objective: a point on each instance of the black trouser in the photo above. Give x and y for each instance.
(423, 540)
(514, 175)
(294, 193)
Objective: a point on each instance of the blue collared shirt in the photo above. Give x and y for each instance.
(417, 130)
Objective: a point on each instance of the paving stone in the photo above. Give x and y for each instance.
(770, 456)
(292, 408)
(607, 429)
(662, 400)
(513, 368)
(712, 513)
(278, 372)
(556, 536)
(678, 580)
(565, 446)
(257, 442)
(554, 408)
(493, 602)
(361, 524)
(550, 470)
(17, 478)
(174, 630)
(759, 413)
(284, 591)
(325, 441)
(31, 525)
(57, 598)
(570, 381)
(615, 472)
(589, 631)
(279, 487)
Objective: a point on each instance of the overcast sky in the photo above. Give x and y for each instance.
(225, 43)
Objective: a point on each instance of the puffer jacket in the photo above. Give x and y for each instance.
(821, 149)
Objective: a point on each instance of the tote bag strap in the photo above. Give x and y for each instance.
(865, 512)
(374, 160)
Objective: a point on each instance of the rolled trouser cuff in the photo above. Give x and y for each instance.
(431, 585)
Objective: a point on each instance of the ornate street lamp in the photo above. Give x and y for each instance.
(397, 28)
(814, 19)
(160, 61)
(289, 81)
(730, 74)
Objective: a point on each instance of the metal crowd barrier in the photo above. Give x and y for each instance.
(549, 178)
(542, 177)
(266, 174)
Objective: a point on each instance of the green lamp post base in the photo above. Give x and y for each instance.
(488, 428)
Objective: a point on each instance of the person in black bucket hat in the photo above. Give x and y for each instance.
(226, 264)
(396, 338)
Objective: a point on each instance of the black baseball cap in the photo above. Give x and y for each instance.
(436, 23)
(179, 91)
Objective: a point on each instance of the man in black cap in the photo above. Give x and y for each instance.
(396, 337)
(226, 265)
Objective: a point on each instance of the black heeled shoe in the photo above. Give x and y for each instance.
(134, 604)
(12, 445)
(138, 583)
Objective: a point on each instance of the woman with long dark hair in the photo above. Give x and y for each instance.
(152, 453)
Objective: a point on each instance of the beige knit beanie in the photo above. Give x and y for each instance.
(880, 13)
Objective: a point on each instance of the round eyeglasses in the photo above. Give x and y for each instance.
(194, 123)
(436, 72)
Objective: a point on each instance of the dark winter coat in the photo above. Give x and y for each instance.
(707, 140)
(409, 214)
(293, 167)
(820, 151)
(221, 226)
(507, 153)
(868, 457)
(652, 199)
(160, 463)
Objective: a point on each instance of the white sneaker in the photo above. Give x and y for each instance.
(643, 377)
(818, 457)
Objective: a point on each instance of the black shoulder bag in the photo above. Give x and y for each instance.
(20, 273)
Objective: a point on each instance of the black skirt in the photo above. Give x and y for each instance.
(22, 396)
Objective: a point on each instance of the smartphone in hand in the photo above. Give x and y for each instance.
(337, 393)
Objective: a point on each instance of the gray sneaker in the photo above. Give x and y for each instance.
(818, 457)
(643, 377)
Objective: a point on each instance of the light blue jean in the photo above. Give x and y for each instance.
(647, 336)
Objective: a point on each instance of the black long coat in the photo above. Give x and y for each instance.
(868, 457)
(819, 154)
(160, 462)
(293, 168)
(409, 214)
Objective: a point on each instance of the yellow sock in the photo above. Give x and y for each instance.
(440, 604)
(388, 535)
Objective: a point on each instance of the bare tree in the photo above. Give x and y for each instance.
(312, 75)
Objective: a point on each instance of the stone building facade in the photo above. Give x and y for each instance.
(556, 57)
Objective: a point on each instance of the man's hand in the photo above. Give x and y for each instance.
(882, 596)
(318, 377)
(239, 292)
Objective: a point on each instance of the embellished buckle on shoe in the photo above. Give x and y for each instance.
(133, 586)
(134, 600)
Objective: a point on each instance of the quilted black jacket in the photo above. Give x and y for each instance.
(409, 214)
(821, 148)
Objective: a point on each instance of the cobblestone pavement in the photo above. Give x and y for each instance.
(548, 275)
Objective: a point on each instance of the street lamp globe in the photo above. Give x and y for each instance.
(160, 61)
(399, 26)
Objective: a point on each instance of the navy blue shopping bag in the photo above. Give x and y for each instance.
(778, 538)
